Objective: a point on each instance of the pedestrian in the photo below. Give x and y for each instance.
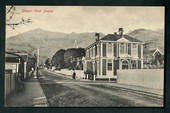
(74, 74)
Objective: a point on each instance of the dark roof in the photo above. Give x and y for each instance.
(115, 37)
(12, 55)
(111, 37)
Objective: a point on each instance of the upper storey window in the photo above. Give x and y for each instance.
(109, 49)
(122, 48)
(94, 52)
(91, 52)
(104, 49)
(87, 53)
(134, 50)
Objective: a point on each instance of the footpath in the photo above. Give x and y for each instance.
(31, 96)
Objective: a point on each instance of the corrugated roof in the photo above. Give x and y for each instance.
(111, 37)
(114, 37)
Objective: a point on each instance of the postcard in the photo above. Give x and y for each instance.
(84, 56)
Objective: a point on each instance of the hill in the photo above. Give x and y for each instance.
(50, 42)
(155, 38)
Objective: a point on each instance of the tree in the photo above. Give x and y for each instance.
(68, 58)
(10, 12)
(73, 56)
(58, 59)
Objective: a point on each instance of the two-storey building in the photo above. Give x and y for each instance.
(112, 52)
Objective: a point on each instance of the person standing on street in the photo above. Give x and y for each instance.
(74, 74)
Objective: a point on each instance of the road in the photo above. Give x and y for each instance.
(63, 91)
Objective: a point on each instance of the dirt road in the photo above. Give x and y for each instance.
(63, 91)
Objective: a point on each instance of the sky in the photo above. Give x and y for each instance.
(105, 19)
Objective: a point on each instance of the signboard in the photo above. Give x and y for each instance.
(12, 59)
(11, 66)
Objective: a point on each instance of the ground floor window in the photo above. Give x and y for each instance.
(109, 65)
(124, 64)
(89, 66)
(133, 63)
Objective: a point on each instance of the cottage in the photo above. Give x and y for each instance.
(19, 60)
(112, 52)
(12, 70)
(153, 58)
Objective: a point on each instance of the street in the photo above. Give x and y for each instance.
(63, 91)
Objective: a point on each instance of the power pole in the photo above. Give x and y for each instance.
(37, 64)
(38, 58)
(38, 54)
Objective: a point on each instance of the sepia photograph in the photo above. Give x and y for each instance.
(84, 56)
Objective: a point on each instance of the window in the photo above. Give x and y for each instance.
(133, 63)
(94, 52)
(139, 51)
(87, 53)
(98, 49)
(115, 49)
(124, 64)
(110, 48)
(91, 53)
(89, 66)
(109, 65)
(134, 46)
(129, 49)
(104, 49)
(134, 50)
(122, 48)
(126, 50)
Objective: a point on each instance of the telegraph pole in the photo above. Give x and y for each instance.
(38, 54)
(38, 58)
(37, 64)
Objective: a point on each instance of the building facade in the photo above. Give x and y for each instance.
(112, 52)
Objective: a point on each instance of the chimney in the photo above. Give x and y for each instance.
(120, 32)
(115, 33)
(97, 36)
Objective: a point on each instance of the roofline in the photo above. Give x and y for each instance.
(109, 41)
(157, 50)
(100, 40)
(96, 42)
(120, 42)
(14, 54)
